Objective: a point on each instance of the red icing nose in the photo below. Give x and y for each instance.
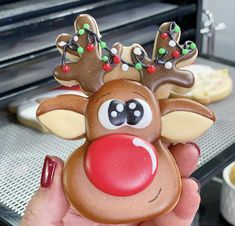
(120, 164)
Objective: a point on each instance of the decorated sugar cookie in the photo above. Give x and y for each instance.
(210, 85)
(123, 172)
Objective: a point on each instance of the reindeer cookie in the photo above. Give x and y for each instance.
(123, 172)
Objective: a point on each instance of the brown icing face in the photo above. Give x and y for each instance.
(159, 197)
(123, 164)
(123, 173)
(110, 110)
(123, 131)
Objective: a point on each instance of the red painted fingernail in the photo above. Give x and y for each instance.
(198, 183)
(170, 145)
(196, 146)
(48, 171)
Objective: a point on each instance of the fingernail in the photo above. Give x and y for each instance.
(48, 171)
(170, 145)
(196, 146)
(198, 183)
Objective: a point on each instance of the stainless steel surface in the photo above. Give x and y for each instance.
(23, 150)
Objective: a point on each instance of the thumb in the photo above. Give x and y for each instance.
(49, 205)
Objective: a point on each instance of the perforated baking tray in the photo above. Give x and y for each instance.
(23, 150)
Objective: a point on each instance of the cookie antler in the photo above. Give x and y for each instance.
(168, 57)
(84, 49)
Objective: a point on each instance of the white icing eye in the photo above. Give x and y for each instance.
(139, 114)
(114, 114)
(111, 114)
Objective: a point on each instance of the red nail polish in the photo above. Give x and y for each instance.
(48, 171)
(169, 146)
(196, 146)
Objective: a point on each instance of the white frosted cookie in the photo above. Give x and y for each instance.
(25, 110)
(210, 85)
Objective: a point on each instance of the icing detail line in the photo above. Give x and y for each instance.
(159, 192)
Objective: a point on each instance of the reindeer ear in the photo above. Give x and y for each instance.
(184, 120)
(64, 115)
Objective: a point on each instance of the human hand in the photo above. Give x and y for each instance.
(49, 206)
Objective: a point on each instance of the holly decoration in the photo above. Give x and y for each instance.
(164, 56)
(151, 69)
(105, 58)
(164, 35)
(116, 59)
(175, 54)
(80, 50)
(65, 68)
(90, 47)
(107, 67)
(167, 53)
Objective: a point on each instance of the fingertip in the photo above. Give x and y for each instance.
(186, 157)
(196, 146)
(49, 202)
(189, 201)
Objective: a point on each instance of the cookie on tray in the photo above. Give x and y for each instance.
(210, 85)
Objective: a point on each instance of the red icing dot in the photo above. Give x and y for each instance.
(151, 69)
(90, 47)
(175, 54)
(164, 35)
(107, 67)
(120, 164)
(65, 68)
(116, 59)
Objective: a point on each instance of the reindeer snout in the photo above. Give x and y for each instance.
(120, 164)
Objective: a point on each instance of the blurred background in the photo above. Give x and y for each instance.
(28, 55)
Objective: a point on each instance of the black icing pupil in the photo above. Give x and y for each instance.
(135, 112)
(131, 112)
(116, 111)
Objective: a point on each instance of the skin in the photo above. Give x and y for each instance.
(49, 206)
